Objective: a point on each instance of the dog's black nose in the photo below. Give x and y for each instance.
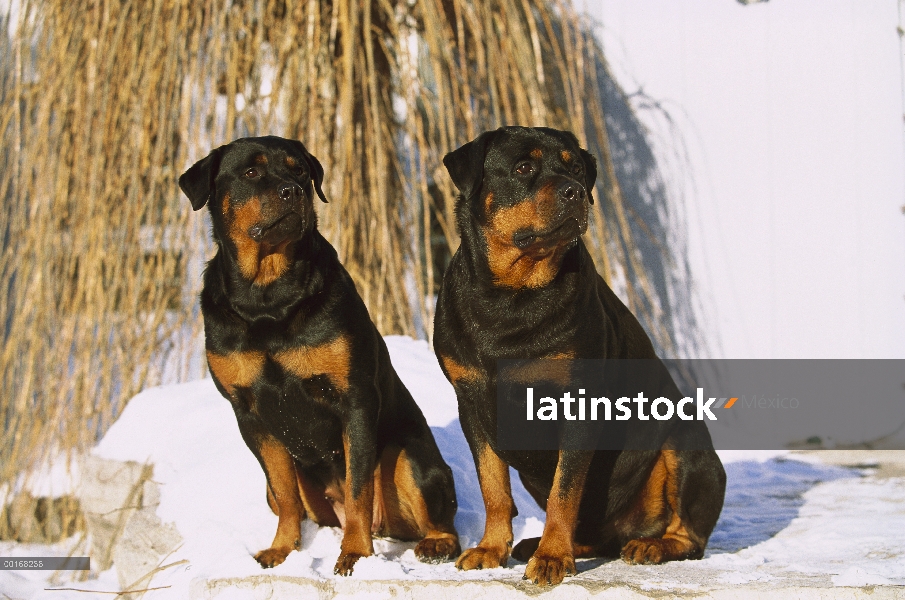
(570, 191)
(290, 191)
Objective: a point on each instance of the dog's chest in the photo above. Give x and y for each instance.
(296, 392)
(304, 414)
(322, 369)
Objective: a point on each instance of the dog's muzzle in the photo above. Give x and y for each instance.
(287, 227)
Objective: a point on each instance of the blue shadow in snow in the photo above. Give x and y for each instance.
(762, 498)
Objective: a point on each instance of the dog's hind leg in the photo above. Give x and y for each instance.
(419, 501)
(677, 509)
(314, 498)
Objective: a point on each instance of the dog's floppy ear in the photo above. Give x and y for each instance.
(198, 182)
(317, 175)
(316, 169)
(590, 173)
(466, 164)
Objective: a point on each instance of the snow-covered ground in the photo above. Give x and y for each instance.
(790, 522)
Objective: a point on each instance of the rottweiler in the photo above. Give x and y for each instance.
(291, 345)
(522, 285)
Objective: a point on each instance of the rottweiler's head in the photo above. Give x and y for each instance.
(260, 193)
(528, 191)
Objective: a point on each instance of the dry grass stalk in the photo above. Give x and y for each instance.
(105, 102)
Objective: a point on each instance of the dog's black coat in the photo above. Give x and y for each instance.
(522, 285)
(291, 345)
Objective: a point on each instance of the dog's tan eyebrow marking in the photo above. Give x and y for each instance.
(261, 159)
(566, 155)
(537, 153)
(291, 161)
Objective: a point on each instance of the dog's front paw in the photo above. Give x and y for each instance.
(483, 557)
(345, 563)
(272, 556)
(647, 551)
(549, 570)
(437, 549)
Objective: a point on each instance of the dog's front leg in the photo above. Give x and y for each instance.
(360, 449)
(282, 487)
(496, 544)
(554, 558)
(281, 481)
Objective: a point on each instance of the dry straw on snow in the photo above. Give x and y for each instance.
(106, 102)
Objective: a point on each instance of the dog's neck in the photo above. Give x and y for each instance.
(303, 276)
(505, 316)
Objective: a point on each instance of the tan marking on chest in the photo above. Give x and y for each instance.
(237, 369)
(556, 368)
(457, 371)
(331, 359)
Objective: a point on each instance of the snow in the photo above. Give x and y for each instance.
(784, 521)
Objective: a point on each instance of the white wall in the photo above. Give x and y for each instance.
(792, 112)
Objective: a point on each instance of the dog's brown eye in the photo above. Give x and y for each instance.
(576, 170)
(524, 168)
(252, 173)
